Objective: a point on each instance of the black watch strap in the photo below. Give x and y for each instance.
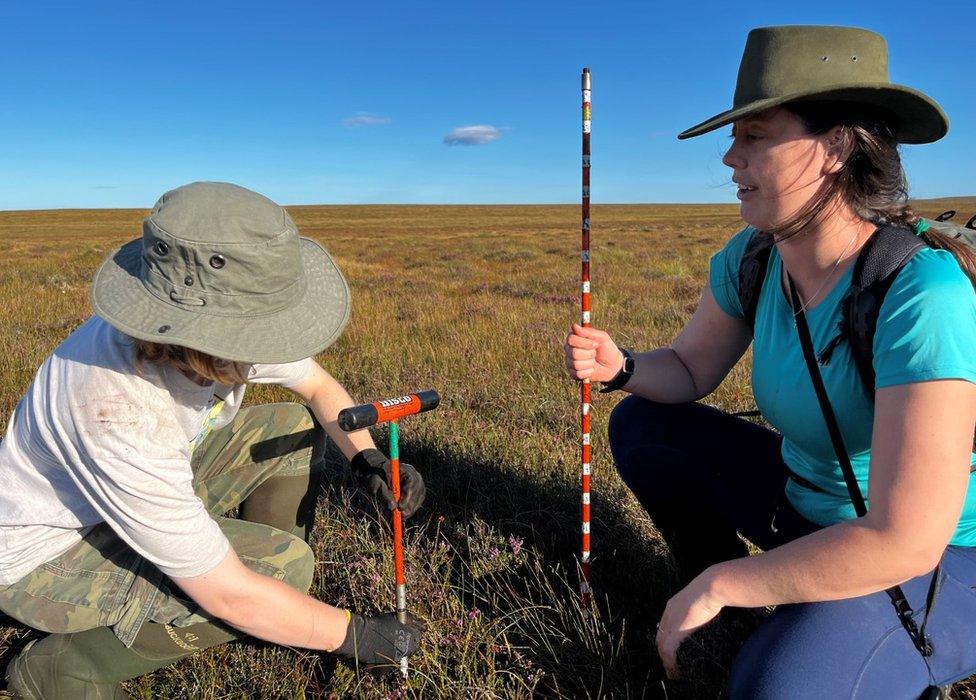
(621, 378)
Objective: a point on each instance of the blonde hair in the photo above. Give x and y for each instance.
(189, 360)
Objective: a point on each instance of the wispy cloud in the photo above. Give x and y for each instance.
(477, 135)
(366, 119)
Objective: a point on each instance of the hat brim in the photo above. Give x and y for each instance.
(919, 118)
(307, 327)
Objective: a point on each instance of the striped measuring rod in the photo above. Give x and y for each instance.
(585, 589)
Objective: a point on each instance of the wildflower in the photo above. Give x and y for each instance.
(515, 543)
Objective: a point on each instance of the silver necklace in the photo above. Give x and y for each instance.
(805, 304)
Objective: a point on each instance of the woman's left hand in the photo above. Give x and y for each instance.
(373, 470)
(692, 607)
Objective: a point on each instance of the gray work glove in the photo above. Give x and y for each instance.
(372, 469)
(380, 640)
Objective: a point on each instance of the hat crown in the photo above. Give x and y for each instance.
(788, 60)
(221, 249)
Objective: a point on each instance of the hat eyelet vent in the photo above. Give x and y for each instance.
(217, 261)
(163, 329)
(853, 58)
(825, 58)
(160, 248)
(188, 281)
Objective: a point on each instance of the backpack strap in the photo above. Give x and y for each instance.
(902, 607)
(877, 265)
(752, 274)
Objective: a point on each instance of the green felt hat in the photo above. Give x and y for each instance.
(803, 63)
(222, 270)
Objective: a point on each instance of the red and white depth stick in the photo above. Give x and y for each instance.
(585, 590)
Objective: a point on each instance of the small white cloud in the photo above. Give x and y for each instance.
(366, 119)
(477, 135)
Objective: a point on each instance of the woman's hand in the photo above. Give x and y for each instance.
(380, 640)
(692, 607)
(373, 469)
(591, 354)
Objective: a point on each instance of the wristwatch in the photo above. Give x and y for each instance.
(621, 378)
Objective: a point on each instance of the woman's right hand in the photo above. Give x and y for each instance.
(591, 354)
(380, 640)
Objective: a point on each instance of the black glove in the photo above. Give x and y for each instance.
(380, 639)
(372, 468)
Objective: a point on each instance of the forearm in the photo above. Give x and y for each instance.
(275, 612)
(265, 607)
(326, 403)
(842, 561)
(660, 375)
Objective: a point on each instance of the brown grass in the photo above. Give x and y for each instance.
(473, 301)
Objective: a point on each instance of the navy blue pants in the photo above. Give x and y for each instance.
(703, 476)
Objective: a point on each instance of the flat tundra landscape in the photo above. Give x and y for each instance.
(473, 301)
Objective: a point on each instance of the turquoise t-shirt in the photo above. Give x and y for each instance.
(926, 330)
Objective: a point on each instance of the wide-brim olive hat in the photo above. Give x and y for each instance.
(805, 63)
(222, 270)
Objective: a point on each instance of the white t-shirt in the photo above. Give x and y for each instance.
(96, 439)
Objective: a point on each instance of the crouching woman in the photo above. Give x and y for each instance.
(815, 131)
(130, 446)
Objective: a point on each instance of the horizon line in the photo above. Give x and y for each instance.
(467, 204)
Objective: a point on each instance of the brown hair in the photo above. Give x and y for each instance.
(189, 360)
(871, 180)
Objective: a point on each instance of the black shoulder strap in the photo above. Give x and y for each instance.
(877, 265)
(902, 608)
(752, 273)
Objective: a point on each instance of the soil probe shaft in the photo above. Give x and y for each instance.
(390, 410)
(585, 589)
(401, 580)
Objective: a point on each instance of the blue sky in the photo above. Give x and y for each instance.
(109, 104)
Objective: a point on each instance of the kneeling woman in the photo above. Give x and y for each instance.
(815, 129)
(129, 447)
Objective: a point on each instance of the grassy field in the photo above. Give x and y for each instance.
(474, 302)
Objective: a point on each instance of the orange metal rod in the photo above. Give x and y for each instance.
(401, 580)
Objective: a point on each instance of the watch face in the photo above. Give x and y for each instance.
(629, 363)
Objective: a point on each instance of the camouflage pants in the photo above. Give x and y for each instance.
(102, 582)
